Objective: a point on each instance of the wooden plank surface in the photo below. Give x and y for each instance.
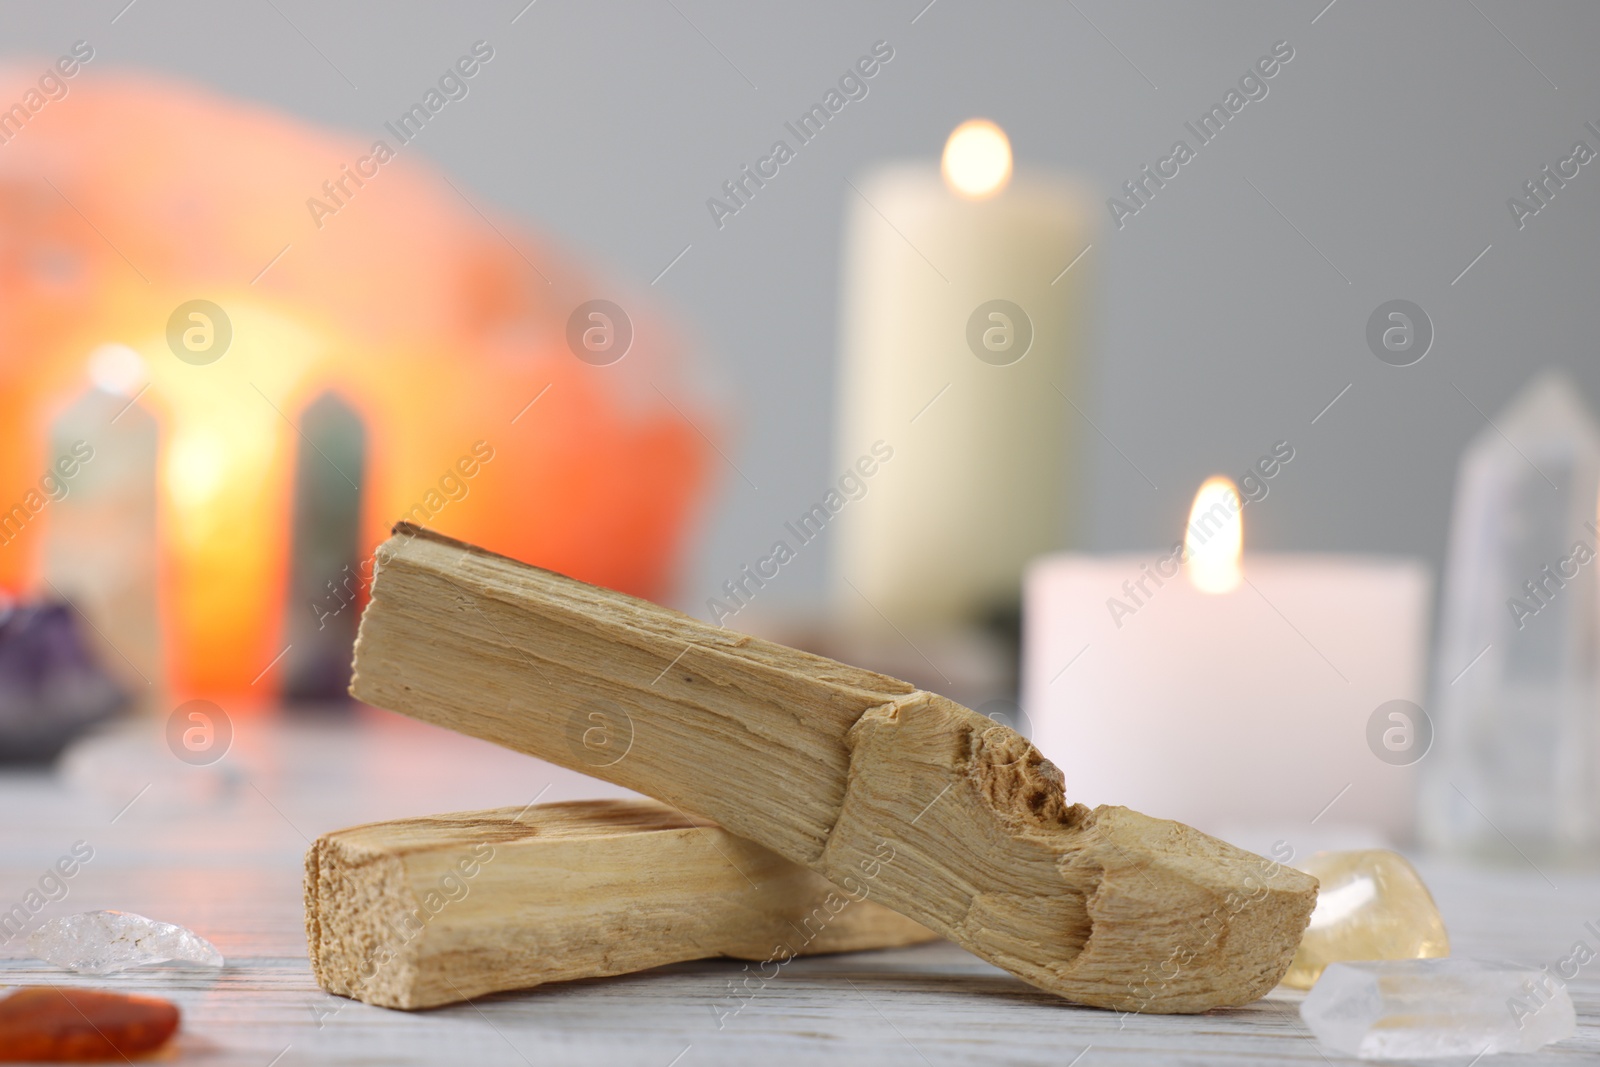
(221, 848)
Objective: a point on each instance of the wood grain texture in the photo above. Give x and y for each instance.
(229, 863)
(414, 913)
(955, 821)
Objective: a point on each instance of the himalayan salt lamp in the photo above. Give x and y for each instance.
(444, 331)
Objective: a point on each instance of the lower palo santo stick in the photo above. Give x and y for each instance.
(421, 912)
(826, 764)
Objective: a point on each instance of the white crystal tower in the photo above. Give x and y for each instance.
(1516, 705)
(1425, 1009)
(103, 942)
(102, 548)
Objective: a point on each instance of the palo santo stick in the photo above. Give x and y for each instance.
(832, 767)
(420, 912)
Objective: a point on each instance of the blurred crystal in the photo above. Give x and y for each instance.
(1372, 905)
(1517, 688)
(109, 443)
(325, 572)
(102, 942)
(51, 688)
(1424, 1009)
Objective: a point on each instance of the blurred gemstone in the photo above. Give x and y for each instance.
(63, 1025)
(1517, 771)
(101, 942)
(51, 686)
(1420, 1009)
(1371, 905)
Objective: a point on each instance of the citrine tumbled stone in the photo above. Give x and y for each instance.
(1372, 905)
(64, 1025)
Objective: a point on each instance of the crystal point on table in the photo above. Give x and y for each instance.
(1371, 905)
(68, 1025)
(1517, 771)
(102, 942)
(1422, 1009)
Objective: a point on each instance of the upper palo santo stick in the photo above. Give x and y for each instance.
(832, 767)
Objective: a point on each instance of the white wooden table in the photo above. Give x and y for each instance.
(219, 849)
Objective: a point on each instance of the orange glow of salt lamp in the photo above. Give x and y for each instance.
(445, 333)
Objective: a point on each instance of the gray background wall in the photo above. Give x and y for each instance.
(1232, 308)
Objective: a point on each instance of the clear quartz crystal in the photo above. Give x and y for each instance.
(102, 942)
(1422, 1009)
(112, 580)
(1516, 766)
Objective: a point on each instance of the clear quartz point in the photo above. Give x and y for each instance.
(102, 942)
(1425, 1009)
(1516, 761)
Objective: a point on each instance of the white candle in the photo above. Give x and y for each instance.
(1239, 705)
(979, 471)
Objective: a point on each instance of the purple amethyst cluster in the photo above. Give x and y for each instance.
(51, 686)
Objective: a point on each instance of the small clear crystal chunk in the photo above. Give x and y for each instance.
(102, 942)
(1424, 1009)
(1371, 905)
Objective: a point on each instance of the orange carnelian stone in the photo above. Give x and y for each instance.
(48, 1023)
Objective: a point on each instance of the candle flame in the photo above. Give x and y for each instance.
(1214, 540)
(977, 159)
